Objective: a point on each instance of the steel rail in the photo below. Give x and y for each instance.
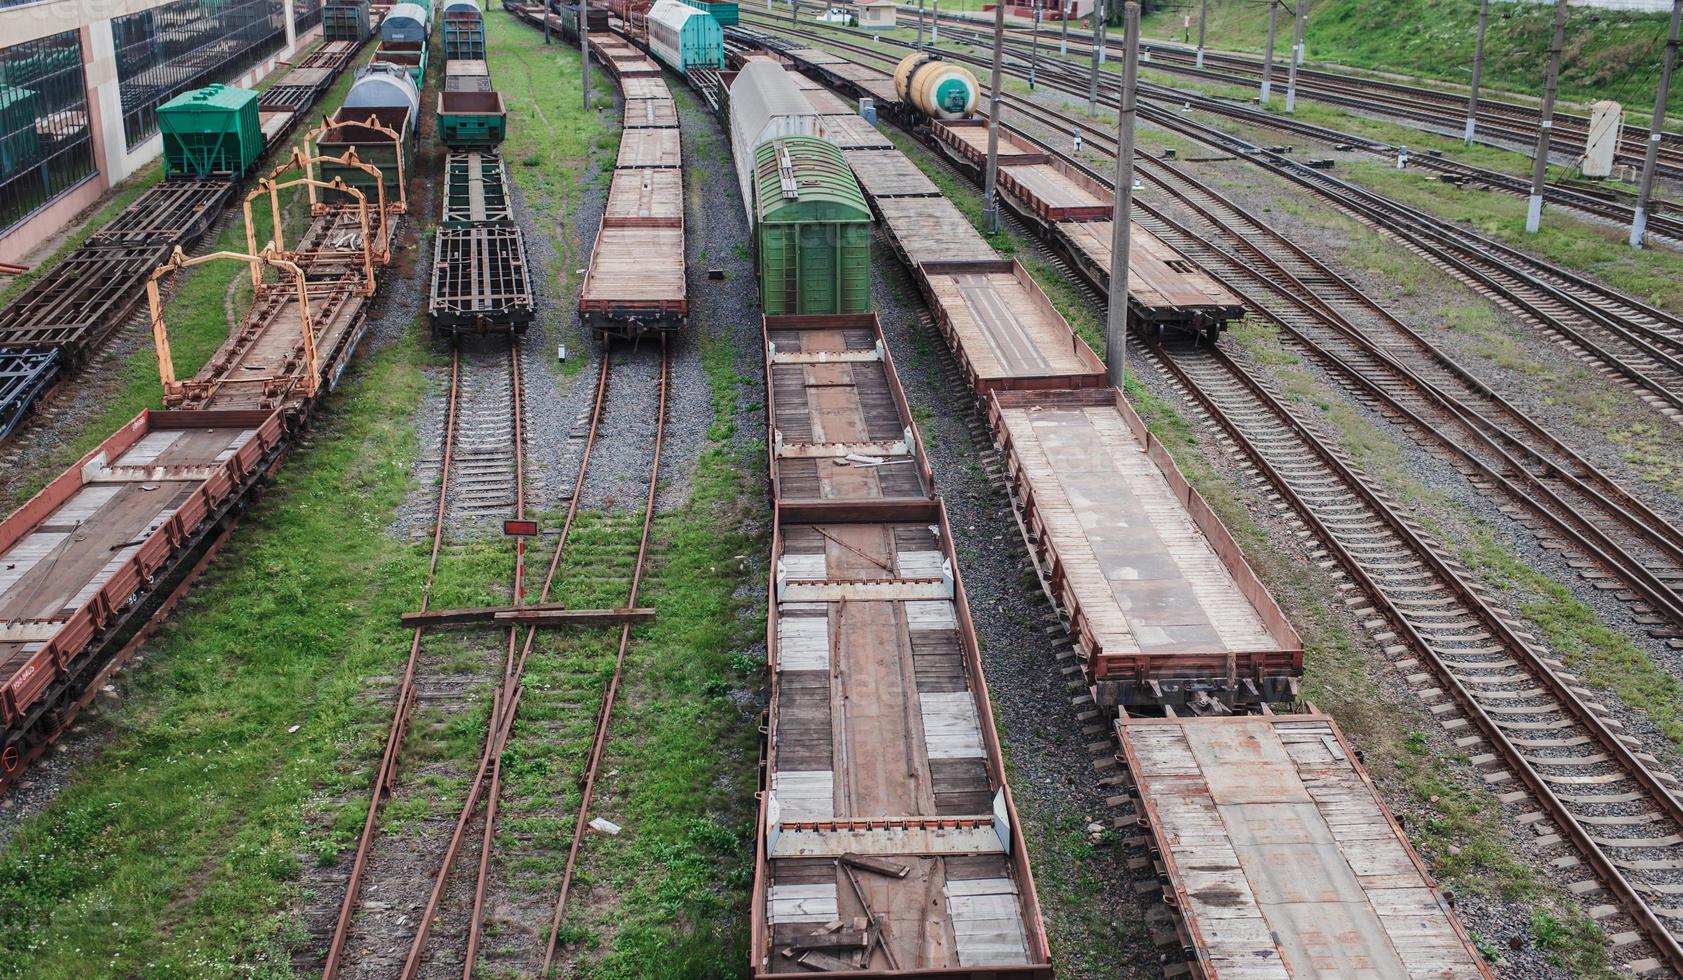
(385, 780)
(1415, 103)
(1453, 247)
(501, 725)
(604, 716)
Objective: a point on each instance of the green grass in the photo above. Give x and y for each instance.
(175, 850)
(551, 141)
(1607, 54)
(1605, 657)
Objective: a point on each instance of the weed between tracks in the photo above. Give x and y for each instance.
(550, 143)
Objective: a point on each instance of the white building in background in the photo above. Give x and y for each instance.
(80, 80)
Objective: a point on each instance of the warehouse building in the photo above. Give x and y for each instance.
(80, 83)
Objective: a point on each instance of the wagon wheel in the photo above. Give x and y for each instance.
(10, 759)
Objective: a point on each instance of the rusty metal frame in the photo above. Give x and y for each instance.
(270, 257)
(269, 186)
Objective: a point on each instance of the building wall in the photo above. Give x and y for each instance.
(113, 158)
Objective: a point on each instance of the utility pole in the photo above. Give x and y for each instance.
(1203, 15)
(1116, 312)
(545, 21)
(1300, 36)
(1268, 53)
(1034, 46)
(1298, 25)
(1103, 25)
(990, 190)
(1063, 15)
(584, 49)
(919, 24)
(1478, 69)
(1093, 53)
(1639, 226)
(935, 23)
(1545, 127)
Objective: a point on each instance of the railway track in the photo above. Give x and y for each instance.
(1557, 759)
(475, 383)
(1389, 366)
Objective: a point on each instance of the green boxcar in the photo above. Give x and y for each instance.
(812, 229)
(347, 132)
(212, 130)
(724, 12)
(464, 40)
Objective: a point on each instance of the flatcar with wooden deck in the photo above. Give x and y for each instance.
(215, 141)
(636, 283)
(1277, 857)
(888, 839)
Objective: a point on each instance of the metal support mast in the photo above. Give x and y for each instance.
(1116, 313)
(1478, 70)
(919, 23)
(1268, 53)
(584, 49)
(1034, 47)
(1639, 226)
(990, 189)
(1545, 126)
(1203, 15)
(1093, 52)
(1299, 27)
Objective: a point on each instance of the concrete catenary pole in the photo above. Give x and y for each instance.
(1093, 52)
(934, 23)
(1034, 47)
(990, 190)
(584, 49)
(1268, 54)
(1301, 37)
(1116, 318)
(1478, 70)
(1639, 226)
(1203, 15)
(1545, 126)
(1063, 15)
(920, 23)
(1103, 25)
(1298, 27)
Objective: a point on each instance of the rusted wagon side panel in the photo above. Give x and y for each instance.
(967, 141)
(1163, 605)
(1055, 191)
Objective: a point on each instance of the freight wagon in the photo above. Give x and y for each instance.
(724, 13)
(464, 31)
(682, 37)
(764, 103)
(595, 19)
(812, 230)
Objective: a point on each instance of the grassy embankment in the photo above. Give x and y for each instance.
(1608, 55)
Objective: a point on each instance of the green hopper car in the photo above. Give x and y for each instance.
(472, 119)
(812, 229)
(212, 130)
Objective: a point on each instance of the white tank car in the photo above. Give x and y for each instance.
(936, 88)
